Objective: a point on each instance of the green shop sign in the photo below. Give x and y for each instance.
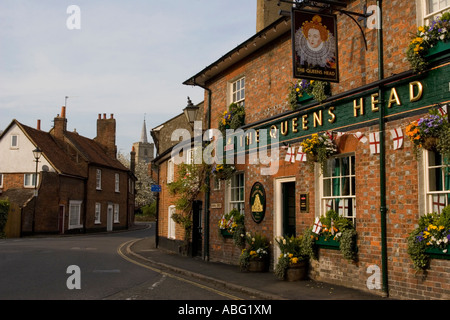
(401, 98)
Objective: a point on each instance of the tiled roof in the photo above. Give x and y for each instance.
(52, 151)
(93, 151)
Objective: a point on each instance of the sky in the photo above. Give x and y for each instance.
(123, 57)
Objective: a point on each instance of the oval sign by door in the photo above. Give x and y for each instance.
(258, 202)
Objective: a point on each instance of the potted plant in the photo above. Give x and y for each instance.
(305, 90)
(255, 257)
(425, 40)
(231, 225)
(336, 232)
(430, 132)
(318, 148)
(431, 239)
(292, 263)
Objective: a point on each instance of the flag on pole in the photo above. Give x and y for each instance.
(317, 226)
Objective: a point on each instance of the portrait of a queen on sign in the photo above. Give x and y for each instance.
(315, 46)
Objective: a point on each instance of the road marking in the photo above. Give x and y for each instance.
(128, 244)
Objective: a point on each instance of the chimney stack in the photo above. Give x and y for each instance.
(267, 12)
(38, 126)
(60, 124)
(106, 135)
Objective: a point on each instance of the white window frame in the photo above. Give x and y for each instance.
(14, 144)
(1, 180)
(98, 211)
(116, 213)
(117, 182)
(170, 170)
(343, 204)
(233, 190)
(98, 179)
(75, 214)
(30, 180)
(237, 91)
(424, 16)
(171, 223)
(436, 200)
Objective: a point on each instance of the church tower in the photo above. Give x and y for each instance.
(144, 150)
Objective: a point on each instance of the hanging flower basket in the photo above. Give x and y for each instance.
(318, 149)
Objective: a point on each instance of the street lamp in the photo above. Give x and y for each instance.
(37, 154)
(190, 112)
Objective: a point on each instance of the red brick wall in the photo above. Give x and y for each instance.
(268, 74)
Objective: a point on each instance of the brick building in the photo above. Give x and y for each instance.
(169, 234)
(386, 190)
(80, 185)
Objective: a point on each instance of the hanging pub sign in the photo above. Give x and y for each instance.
(314, 46)
(258, 202)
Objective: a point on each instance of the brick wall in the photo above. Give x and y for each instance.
(268, 74)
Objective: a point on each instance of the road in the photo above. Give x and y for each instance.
(90, 267)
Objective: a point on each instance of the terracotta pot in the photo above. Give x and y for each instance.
(297, 271)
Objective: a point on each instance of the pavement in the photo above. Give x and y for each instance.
(260, 285)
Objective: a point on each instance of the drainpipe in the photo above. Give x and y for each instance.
(383, 208)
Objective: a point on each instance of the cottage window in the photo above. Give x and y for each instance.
(435, 9)
(116, 213)
(171, 223)
(236, 191)
(437, 177)
(117, 183)
(339, 186)
(29, 180)
(14, 141)
(238, 91)
(75, 214)
(98, 185)
(98, 208)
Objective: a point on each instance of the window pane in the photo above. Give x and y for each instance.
(345, 166)
(345, 191)
(327, 187)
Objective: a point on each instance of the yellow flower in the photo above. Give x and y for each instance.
(253, 253)
(294, 260)
(421, 29)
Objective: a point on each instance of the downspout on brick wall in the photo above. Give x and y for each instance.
(383, 209)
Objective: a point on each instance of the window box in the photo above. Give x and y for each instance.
(225, 233)
(440, 50)
(304, 98)
(329, 243)
(436, 253)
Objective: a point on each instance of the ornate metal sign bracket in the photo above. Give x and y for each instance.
(331, 5)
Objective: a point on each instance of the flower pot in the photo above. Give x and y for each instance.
(257, 265)
(297, 272)
(437, 253)
(329, 243)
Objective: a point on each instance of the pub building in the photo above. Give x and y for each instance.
(375, 177)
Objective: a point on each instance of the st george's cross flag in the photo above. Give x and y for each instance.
(397, 137)
(301, 156)
(374, 141)
(290, 154)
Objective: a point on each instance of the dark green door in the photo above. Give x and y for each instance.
(197, 228)
(288, 208)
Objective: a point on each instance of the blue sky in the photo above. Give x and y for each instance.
(129, 58)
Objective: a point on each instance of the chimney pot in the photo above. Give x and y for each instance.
(63, 112)
(38, 124)
(112, 115)
(104, 116)
(99, 116)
